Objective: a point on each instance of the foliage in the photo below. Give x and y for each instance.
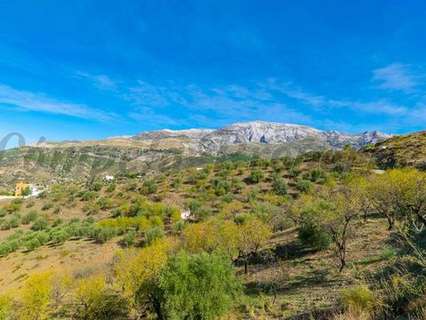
(40, 224)
(153, 234)
(358, 299)
(212, 235)
(304, 186)
(35, 297)
(201, 286)
(95, 301)
(279, 186)
(6, 306)
(255, 176)
(29, 217)
(136, 271)
(314, 235)
(253, 233)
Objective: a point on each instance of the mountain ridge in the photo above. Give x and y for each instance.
(156, 150)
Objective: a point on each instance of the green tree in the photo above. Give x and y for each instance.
(255, 176)
(253, 233)
(198, 287)
(279, 186)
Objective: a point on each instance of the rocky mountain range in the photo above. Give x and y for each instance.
(261, 133)
(158, 150)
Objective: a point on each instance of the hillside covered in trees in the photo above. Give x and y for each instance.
(324, 235)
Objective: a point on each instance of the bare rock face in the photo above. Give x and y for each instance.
(167, 133)
(266, 133)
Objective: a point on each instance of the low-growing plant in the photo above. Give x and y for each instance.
(40, 224)
(304, 185)
(30, 217)
(153, 234)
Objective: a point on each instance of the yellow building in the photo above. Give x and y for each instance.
(20, 189)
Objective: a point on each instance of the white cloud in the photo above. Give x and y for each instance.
(100, 81)
(219, 103)
(395, 76)
(324, 103)
(30, 101)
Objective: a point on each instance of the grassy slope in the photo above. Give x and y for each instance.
(294, 280)
(400, 151)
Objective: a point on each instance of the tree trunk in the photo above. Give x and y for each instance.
(391, 223)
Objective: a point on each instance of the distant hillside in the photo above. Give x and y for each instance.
(158, 150)
(260, 133)
(401, 151)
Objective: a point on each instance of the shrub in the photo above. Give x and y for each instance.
(105, 203)
(202, 286)
(6, 306)
(279, 186)
(304, 185)
(57, 222)
(32, 244)
(358, 299)
(59, 236)
(88, 195)
(91, 208)
(317, 175)
(153, 234)
(102, 235)
(221, 187)
(93, 300)
(129, 238)
(149, 187)
(294, 172)
(111, 187)
(47, 206)
(314, 235)
(29, 217)
(179, 226)
(11, 222)
(255, 176)
(30, 204)
(13, 207)
(35, 297)
(40, 224)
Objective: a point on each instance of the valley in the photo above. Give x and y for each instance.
(275, 221)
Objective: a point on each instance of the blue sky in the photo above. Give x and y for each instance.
(89, 69)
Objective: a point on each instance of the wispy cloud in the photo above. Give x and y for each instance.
(223, 104)
(101, 81)
(381, 106)
(30, 101)
(396, 76)
(188, 105)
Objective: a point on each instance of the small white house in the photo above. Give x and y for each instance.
(186, 215)
(35, 191)
(109, 178)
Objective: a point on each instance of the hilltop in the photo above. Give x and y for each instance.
(401, 151)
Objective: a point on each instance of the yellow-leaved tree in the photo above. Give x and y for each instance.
(35, 297)
(6, 305)
(136, 272)
(253, 234)
(212, 235)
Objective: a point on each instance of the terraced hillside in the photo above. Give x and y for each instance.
(99, 241)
